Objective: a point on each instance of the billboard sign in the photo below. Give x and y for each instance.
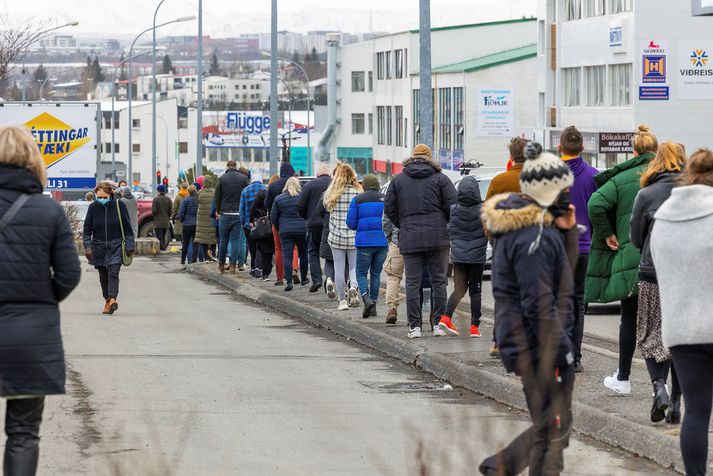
(615, 142)
(236, 129)
(654, 71)
(66, 135)
(694, 73)
(496, 116)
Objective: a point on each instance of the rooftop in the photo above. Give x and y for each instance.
(488, 61)
(477, 25)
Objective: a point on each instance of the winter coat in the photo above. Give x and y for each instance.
(533, 289)
(340, 236)
(468, 241)
(682, 252)
(246, 201)
(102, 232)
(325, 251)
(132, 207)
(39, 267)
(614, 275)
(188, 212)
(418, 202)
(582, 189)
(205, 229)
(284, 215)
(275, 190)
(309, 198)
(647, 202)
(161, 209)
(365, 214)
(391, 232)
(227, 193)
(267, 245)
(177, 225)
(506, 182)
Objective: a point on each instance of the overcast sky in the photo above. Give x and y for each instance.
(232, 17)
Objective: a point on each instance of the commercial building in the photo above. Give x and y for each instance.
(607, 66)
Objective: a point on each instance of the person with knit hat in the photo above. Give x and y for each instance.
(418, 203)
(161, 209)
(536, 245)
(364, 215)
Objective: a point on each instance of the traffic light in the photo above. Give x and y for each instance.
(158, 177)
(165, 182)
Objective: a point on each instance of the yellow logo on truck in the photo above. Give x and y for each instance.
(55, 139)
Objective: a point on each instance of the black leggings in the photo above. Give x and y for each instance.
(627, 335)
(23, 417)
(266, 254)
(580, 276)
(188, 234)
(252, 248)
(694, 365)
(467, 277)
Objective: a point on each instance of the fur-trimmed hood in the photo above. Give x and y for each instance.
(512, 211)
(420, 165)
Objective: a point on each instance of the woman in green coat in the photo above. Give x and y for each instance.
(613, 274)
(205, 230)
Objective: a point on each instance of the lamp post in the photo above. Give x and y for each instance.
(425, 96)
(199, 98)
(130, 127)
(153, 96)
(273, 88)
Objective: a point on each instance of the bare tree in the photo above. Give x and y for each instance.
(16, 38)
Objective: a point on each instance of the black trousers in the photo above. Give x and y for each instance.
(660, 371)
(289, 241)
(189, 233)
(540, 447)
(437, 263)
(161, 235)
(314, 241)
(466, 277)
(109, 280)
(252, 249)
(627, 335)
(694, 366)
(580, 275)
(23, 417)
(266, 254)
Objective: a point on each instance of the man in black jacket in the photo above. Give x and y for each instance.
(307, 208)
(418, 202)
(227, 208)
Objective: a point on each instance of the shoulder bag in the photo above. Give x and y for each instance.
(126, 260)
(262, 228)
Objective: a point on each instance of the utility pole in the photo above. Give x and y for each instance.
(153, 100)
(273, 90)
(199, 109)
(425, 96)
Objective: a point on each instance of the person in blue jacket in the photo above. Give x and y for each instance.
(187, 214)
(365, 216)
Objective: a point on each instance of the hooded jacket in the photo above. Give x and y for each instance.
(418, 202)
(161, 209)
(39, 268)
(532, 285)
(582, 189)
(205, 229)
(309, 199)
(275, 190)
(468, 241)
(364, 215)
(646, 205)
(102, 232)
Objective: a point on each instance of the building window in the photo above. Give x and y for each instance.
(136, 148)
(183, 123)
(389, 128)
(380, 122)
(371, 81)
(594, 8)
(595, 77)
(380, 65)
(107, 147)
(399, 111)
(405, 63)
(357, 81)
(388, 65)
(619, 6)
(183, 147)
(572, 10)
(620, 80)
(399, 63)
(458, 119)
(415, 107)
(405, 132)
(136, 123)
(445, 110)
(357, 123)
(572, 86)
(371, 123)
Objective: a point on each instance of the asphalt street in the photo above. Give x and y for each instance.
(187, 379)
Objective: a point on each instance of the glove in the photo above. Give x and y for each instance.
(89, 254)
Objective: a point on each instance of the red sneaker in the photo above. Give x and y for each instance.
(447, 325)
(474, 331)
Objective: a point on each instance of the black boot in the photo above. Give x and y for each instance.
(661, 402)
(674, 411)
(368, 305)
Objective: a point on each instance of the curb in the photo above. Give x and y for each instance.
(588, 420)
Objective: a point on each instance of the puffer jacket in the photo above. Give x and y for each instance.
(646, 205)
(468, 241)
(188, 211)
(39, 268)
(533, 289)
(102, 232)
(340, 235)
(205, 229)
(365, 217)
(614, 275)
(418, 202)
(275, 189)
(284, 215)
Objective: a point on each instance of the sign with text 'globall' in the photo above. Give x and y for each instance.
(66, 135)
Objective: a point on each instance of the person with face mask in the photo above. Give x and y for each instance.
(102, 239)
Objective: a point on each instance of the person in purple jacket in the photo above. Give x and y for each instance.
(570, 148)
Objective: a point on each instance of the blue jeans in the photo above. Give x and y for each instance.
(231, 232)
(370, 260)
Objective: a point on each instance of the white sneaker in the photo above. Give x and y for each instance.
(329, 287)
(354, 300)
(343, 306)
(622, 387)
(438, 332)
(414, 333)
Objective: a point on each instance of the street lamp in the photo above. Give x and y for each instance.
(131, 49)
(153, 94)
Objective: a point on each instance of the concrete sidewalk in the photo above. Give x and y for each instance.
(599, 413)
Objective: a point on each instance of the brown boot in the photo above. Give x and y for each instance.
(106, 307)
(391, 316)
(113, 305)
(221, 268)
(231, 268)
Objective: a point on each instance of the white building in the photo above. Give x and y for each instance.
(607, 66)
(484, 94)
(216, 89)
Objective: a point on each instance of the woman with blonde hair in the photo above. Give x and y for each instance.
(39, 267)
(337, 198)
(612, 272)
(292, 229)
(657, 182)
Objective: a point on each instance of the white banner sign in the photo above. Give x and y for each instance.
(496, 117)
(694, 73)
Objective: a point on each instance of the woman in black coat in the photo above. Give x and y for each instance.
(292, 229)
(266, 246)
(102, 241)
(39, 267)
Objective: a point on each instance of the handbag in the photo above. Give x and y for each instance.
(126, 260)
(262, 228)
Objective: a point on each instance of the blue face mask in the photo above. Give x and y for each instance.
(103, 201)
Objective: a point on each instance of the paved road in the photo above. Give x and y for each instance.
(186, 379)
